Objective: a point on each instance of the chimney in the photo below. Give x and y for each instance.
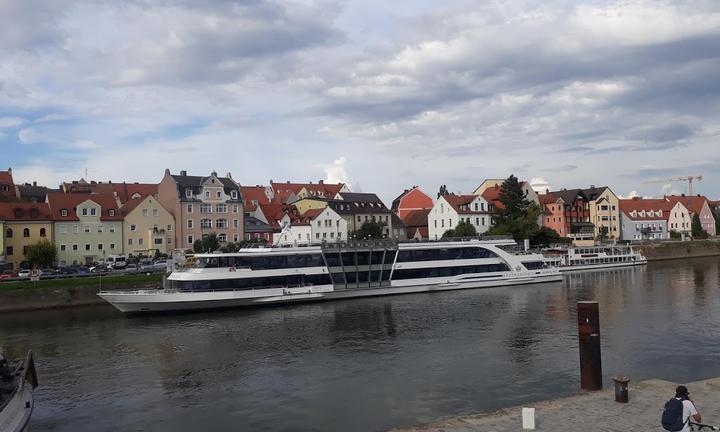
(592, 186)
(10, 170)
(183, 173)
(34, 183)
(321, 181)
(228, 175)
(167, 171)
(214, 173)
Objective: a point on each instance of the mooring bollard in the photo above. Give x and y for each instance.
(589, 343)
(528, 418)
(621, 388)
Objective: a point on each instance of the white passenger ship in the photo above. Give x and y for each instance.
(335, 271)
(593, 258)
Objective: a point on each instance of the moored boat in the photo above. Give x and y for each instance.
(336, 271)
(17, 382)
(593, 258)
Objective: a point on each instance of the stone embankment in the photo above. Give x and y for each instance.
(595, 411)
(676, 250)
(80, 292)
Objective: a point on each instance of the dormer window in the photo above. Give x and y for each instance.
(233, 194)
(93, 211)
(63, 212)
(111, 212)
(34, 213)
(188, 193)
(18, 213)
(84, 211)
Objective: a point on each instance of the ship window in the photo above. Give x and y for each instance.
(348, 258)
(423, 273)
(363, 258)
(376, 257)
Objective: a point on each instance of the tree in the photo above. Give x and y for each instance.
(41, 254)
(463, 229)
(546, 236)
(603, 232)
(370, 230)
(209, 243)
(442, 191)
(674, 234)
(198, 246)
(230, 247)
(449, 233)
(697, 229)
(513, 198)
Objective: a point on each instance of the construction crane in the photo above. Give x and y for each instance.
(688, 179)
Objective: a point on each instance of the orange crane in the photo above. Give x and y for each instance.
(688, 179)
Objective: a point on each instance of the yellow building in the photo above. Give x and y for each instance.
(24, 224)
(147, 227)
(306, 204)
(604, 210)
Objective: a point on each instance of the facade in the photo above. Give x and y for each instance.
(8, 192)
(644, 219)
(252, 197)
(326, 225)
(416, 224)
(295, 230)
(305, 204)
(699, 205)
(24, 224)
(567, 211)
(147, 227)
(449, 210)
(411, 200)
(679, 218)
(87, 227)
(604, 210)
(399, 230)
(530, 193)
(255, 229)
(202, 206)
(360, 208)
(288, 192)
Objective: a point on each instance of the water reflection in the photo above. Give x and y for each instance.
(364, 364)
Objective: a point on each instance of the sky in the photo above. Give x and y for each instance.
(382, 95)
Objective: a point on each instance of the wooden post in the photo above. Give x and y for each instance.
(589, 342)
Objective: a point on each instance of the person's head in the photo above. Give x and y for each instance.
(681, 392)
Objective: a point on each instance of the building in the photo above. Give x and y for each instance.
(252, 197)
(87, 227)
(33, 193)
(604, 211)
(202, 206)
(125, 192)
(255, 229)
(416, 224)
(23, 224)
(496, 184)
(288, 192)
(411, 200)
(295, 229)
(326, 225)
(360, 208)
(8, 192)
(399, 229)
(148, 227)
(567, 212)
(449, 210)
(644, 219)
(697, 204)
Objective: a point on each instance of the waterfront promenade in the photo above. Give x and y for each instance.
(590, 411)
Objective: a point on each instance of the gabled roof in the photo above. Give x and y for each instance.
(125, 191)
(312, 213)
(252, 224)
(416, 218)
(274, 212)
(70, 201)
(570, 195)
(132, 204)
(195, 184)
(461, 203)
(23, 211)
(548, 198)
(33, 193)
(253, 193)
(492, 195)
(646, 206)
(592, 193)
(329, 190)
(693, 203)
(354, 203)
(359, 197)
(396, 202)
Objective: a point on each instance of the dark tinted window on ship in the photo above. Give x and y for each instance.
(253, 283)
(444, 254)
(267, 262)
(533, 265)
(423, 273)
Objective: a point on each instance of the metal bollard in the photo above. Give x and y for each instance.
(621, 388)
(589, 344)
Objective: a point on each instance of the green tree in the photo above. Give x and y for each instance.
(514, 200)
(230, 247)
(198, 246)
(697, 229)
(546, 236)
(674, 234)
(603, 233)
(463, 229)
(442, 191)
(41, 254)
(370, 230)
(449, 233)
(209, 243)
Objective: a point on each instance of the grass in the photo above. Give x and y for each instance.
(115, 280)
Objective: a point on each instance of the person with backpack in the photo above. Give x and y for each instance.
(680, 411)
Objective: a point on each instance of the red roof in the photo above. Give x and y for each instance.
(282, 197)
(547, 198)
(69, 201)
(6, 178)
(22, 211)
(693, 203)
(459, 202)
(416, 218)
(253, 193)
(492, 196)
(131, 205)
(125, 191)
(328, 189)
(312, 213)
(647, 205)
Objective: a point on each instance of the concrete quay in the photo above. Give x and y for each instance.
(590, 411)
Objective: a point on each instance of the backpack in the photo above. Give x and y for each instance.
(672, 417)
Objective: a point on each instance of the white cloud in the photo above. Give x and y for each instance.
(336, 172)
(11, 122)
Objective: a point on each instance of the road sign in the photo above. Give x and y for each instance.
(35, 275)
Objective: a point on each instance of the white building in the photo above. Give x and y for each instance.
(326, 225)
(294, 231)
(449, 210)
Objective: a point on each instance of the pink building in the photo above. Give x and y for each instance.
(202, 206)
(697, 204)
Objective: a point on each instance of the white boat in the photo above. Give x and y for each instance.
(17, 382)
(593, 258)
(336, 271)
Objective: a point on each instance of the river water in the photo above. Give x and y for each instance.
(365, 364)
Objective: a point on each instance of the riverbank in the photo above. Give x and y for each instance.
(589, 411)
(678, 250)
(64, 293)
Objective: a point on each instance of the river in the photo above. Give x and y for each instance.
(364, 364)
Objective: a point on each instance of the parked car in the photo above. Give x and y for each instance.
(160, 265)
(82, 270)
(8, 274)
(46, 272)
(131, 268)
(67, 270)
(146, 265)
(116, 261)
(101, 268)
(24, 274)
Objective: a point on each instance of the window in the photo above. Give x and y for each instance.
(236, 238)
(236, 223)
(111, 212)
(86, 228)
(42, 232)
(158, 241)
(155, 212)
(190, 240)
(26, 232)
(189, 223)
(100, 228)
(62, 247)
(140, 241)
(317, 235)
(84, 211)
(93, 211)
(87, 246)
(222, 238)
(129, 242)
(235, 208)
(221, 208)
(133, 228)
(144, 212)
(112, 246)
(188, 193)
(205, 208)
(169, 227)
(112, 228)
(63, 212)
(233, 194)
(218, 194)
(189, 208)
(9, 250)
(9, 233)
(63, 229)
(207, 194)
(206, 223)
(100, 246)
(75, 247)
(76, 229)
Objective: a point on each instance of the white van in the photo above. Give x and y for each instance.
(116, 261)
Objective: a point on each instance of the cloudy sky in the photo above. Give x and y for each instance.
(382, 94)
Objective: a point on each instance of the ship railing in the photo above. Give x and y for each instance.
(176, 290)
